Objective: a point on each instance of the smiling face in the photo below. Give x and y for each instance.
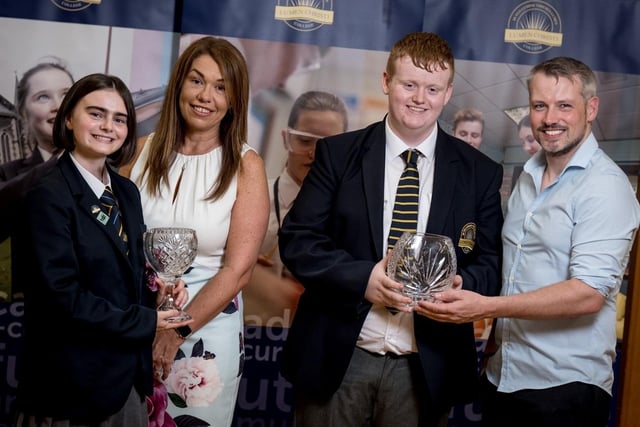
(560, 117)
(203, 98)
(46, 90)
(416, 99)
(99, 125)
(470, 132)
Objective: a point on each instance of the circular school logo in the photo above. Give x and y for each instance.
(72, 5)
(534, 27)
(305, 15)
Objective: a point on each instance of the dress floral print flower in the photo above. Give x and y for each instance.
(195, 380)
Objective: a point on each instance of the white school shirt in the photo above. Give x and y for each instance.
(382, 331)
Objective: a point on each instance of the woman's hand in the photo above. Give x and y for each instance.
(180, 293)
(165, 348)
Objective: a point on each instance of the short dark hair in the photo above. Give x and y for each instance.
(63, 137)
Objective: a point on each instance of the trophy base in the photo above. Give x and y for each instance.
(179, 318)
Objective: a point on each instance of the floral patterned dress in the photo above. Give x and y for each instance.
(204, 379)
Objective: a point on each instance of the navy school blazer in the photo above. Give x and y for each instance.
(332, 237)
(89, 317)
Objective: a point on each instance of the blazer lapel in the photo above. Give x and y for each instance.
(373, 141)
(127, 201)
(444, 183)
(132, 221)
(35, 159)
(89, 204)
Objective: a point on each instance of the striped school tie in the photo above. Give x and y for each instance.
(405, 208)
(108, 202)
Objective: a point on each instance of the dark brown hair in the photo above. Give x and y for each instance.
(63, 137)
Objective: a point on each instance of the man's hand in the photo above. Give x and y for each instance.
(455, 306)
(382, 290)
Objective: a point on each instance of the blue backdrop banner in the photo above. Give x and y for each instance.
(511, 31)
(508, 31)
(147, 14)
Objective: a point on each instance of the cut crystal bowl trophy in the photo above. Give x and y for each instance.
(424, 263)
(170, 251)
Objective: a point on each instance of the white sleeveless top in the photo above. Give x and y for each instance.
(211, 220)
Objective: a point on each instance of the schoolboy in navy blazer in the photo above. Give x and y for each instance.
(333, 237)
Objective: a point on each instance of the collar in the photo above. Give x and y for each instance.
(96, 185)
(288, 189)
(396, 146)
(580, 158)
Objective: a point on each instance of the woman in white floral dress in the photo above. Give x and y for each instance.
(196, 171)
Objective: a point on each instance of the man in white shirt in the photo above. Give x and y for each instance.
(570, 224)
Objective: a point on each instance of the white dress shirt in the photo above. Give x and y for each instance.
(382, 331)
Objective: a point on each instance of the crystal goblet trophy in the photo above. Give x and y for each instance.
(170, 251)
(424, 263)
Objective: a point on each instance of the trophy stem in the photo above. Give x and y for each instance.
(170, 251)
(168, 302)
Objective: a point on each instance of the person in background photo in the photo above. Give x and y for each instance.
(468, 125)
(525, 135)
(529, 146)
(39, 94)
(272, 290)
(356, 353)
(197, 171)
(567, 234)
(90, 318)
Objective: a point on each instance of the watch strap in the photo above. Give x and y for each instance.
(184, 331)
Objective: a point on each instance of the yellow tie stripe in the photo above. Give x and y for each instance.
(405, 209)
(108, 202)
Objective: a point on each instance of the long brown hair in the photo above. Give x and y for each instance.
(170, 132)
